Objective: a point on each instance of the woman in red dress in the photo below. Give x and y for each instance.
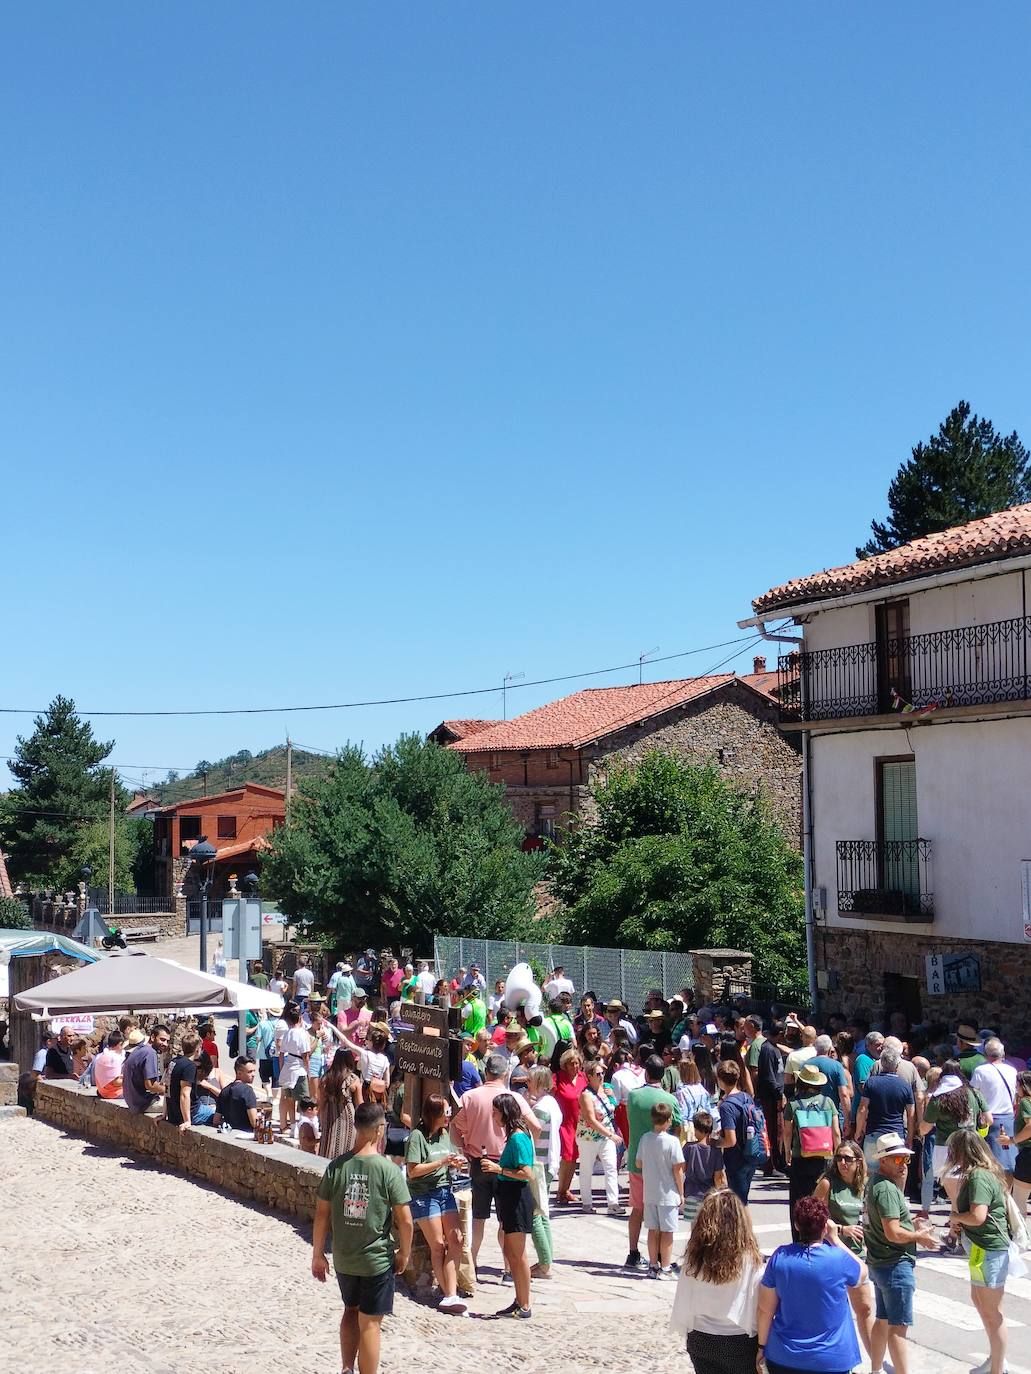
(569, 1084)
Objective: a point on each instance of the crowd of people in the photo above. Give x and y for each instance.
(869, 1127)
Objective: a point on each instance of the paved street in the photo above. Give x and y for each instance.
(112, 1266)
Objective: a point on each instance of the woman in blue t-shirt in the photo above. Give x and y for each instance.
(513, 1197)
(805, 1318)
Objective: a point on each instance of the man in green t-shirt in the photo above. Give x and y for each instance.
(639, 1104)
(361, 1198)
(891, 1241)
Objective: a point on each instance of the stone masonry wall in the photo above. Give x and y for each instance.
(857, 961)
(277, 1176)
(737, 730)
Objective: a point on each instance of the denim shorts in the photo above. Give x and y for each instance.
(202, 1112)
(894, 1285)
(988, 1268)
(435, 1204)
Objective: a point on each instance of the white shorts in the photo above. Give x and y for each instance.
(659, 1217)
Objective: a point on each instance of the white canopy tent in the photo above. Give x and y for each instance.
(138, 982)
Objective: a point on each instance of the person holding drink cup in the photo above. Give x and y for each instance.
(428, 1158)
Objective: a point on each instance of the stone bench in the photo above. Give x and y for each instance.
(140, 933)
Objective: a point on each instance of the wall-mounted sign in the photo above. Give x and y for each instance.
(953, 973)
(428, 1018)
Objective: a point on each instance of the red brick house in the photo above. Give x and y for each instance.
(549, 757)
(235, 822)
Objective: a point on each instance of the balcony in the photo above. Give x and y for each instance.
(886, 880)
(972, 666)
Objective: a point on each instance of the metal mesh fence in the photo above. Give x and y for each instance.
(623, 973)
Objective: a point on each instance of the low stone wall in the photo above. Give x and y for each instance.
(8, 1084)
(276, 1176)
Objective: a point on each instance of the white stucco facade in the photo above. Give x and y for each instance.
(973, 783)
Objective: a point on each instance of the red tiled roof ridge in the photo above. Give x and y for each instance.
(589, 714)
(473, 726)
(230, 792)
(1002, 534)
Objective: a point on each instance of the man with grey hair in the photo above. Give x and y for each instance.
(905, 1069)
(839, 1083)
(996, 1081)
(476, 1133)
(887, 1107)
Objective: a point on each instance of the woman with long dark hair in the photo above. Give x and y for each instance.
(513, 1197)
(952, 1105)
(429, 1156)
(339, 1093)
(706, 1069)
(715, 1303)
(805, 1319)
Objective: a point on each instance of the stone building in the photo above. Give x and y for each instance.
(549, 758)
(235, 822)
(910, 689)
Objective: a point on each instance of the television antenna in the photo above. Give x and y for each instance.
(641, 658)
(509, 677)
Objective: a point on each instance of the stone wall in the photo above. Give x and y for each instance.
(737, 730)
(170, 923)
(277, 1176)
(714, 969)
(856, 962)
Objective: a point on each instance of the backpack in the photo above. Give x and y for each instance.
(814, 1122)
(756, 1144)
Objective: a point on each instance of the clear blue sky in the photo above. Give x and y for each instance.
(356, 350)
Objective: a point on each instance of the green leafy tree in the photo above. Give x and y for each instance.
(962, 473)
(677, 858)
(14, 914)
(62, 792)
(402, 847)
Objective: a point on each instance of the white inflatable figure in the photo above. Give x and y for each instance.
(522, 991)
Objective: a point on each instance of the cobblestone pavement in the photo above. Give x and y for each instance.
(113, 1266)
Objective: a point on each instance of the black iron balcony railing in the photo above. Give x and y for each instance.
(886, 878)
(972, 666)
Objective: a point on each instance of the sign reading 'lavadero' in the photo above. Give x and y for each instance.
(426, 1018)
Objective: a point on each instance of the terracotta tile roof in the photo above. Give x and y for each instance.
(237, 793)
(585, 716)
(463, 728)
(5, 880)
(235, 851)
(762, 682)
(1002, 535)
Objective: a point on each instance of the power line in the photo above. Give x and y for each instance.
(391, 701)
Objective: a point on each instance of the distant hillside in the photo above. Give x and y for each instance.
(268, 767)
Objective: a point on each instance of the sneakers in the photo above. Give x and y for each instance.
(666, 1272)
(506, 1277)
(615, 1211)
(514, 1310)
(635, 1261)
(454, 1305)
(541, 1271)
(587, 1209)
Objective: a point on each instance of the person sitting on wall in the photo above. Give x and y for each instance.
(237, 1103)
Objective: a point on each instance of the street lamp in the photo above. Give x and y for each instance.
(203, 855)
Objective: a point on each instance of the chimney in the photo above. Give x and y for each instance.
(759, 664)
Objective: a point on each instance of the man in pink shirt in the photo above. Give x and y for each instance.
(391, 981)
(107, 1067)
(475, 1130)
(355, 1021)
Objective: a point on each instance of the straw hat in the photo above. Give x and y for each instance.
(891, 1144)
(811, 1076)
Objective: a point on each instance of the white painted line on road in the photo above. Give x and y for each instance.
(959, 1269)
(958, 1314)
(772, 1226)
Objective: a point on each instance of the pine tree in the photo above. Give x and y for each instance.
(962, 473)
(62, 794)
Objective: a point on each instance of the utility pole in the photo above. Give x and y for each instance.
(111, 852)
(289, 773)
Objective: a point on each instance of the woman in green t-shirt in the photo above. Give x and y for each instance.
(428, 1157)
(842, 1188)
(979, 1213)
(953, 1105)
(1021, 1137)
(513, 1196)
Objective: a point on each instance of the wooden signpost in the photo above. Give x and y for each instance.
(424, 1056)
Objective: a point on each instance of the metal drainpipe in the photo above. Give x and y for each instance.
(807, 833)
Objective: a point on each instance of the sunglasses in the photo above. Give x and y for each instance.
(845, 1159)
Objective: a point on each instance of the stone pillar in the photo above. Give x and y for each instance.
(24, 1034)
(720, 973)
